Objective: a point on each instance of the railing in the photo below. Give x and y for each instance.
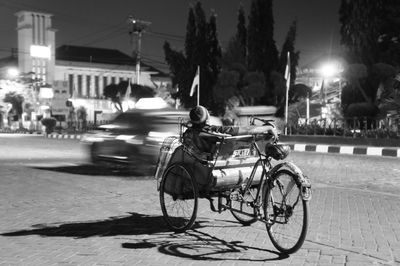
(81, 126)
(357, 127)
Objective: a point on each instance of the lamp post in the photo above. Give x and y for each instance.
(138, 27)
(328, 71)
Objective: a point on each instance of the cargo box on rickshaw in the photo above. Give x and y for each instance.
(227, 167)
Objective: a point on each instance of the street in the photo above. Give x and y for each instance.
(58, 209)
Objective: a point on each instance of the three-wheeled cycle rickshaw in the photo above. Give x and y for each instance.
(239, 176)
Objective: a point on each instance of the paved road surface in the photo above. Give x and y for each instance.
(56, 209)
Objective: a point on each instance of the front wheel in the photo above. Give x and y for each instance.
(178, 197)
(286, 212)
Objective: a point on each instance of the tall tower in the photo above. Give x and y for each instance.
(36, 45)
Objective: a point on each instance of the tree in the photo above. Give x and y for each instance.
(354, 73)
(201, 49)
(112, 91)
(181, 74)
(288, 46)
(213, 65)
(16, 100)
(227, 85)
(262, 51)
(254, 87)
(81, 114)
(116, 92)
(299, 91)
(361, 22)
(279, 84)
(140, 91)
(389, 38)
(236, 51)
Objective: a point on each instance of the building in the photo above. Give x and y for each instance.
(69, 72)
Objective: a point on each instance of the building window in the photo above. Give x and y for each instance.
(88, 81)
(71, 84)
(113, 80)
(79, 85)
(96, 86)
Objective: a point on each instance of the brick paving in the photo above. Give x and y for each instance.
(52, 216)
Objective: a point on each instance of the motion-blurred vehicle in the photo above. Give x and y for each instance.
(133, 139)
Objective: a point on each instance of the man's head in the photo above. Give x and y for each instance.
(199, 115)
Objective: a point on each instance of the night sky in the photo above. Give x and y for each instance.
(100, 23)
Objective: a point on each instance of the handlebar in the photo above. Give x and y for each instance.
(266, 122)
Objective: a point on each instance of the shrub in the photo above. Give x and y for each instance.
(49, 123)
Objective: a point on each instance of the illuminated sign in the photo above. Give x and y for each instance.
(40, 51)
(46, 93)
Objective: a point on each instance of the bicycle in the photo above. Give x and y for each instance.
(240, 175)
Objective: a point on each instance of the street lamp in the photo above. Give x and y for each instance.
(12, 73)
(329, 70)
(138, 27)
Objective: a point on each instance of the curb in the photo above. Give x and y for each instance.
(352, 150)
(63, 136)
(321, 148)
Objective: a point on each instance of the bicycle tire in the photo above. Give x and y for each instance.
(287, 221)
(178, 197)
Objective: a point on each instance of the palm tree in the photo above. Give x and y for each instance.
(16, 100)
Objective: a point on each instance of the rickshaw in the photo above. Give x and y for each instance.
(241, 175)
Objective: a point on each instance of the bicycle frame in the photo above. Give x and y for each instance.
(262, 161)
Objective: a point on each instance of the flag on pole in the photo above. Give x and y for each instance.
(287, 77)
(322, 92)
(128, 90)
(74, 94)
(287, 71)
(196, 82)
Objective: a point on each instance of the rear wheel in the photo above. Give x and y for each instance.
(286, 212)
(178, 198)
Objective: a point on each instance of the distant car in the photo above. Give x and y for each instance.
(133, 139)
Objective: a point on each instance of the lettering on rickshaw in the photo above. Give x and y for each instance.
(241, 153)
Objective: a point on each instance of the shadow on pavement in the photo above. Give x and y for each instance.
(135, 224)
(193, 244)
(197, 245)
(94, 170)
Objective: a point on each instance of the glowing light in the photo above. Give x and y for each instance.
(329, 70)
(46, 93)
(151, 103)
(12, 72)
(40, 51)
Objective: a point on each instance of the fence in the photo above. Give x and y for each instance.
(361, 127)
(81, 126)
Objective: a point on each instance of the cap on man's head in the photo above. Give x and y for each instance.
(199, 115)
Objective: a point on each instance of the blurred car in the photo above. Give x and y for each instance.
(133, 139)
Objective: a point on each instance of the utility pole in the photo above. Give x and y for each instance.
(137, 27)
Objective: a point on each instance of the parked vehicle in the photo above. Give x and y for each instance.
(133, 139)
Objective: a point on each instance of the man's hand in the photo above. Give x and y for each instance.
(265, 129)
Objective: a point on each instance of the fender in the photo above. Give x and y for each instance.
(302, 179)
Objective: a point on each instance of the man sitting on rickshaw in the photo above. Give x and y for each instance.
(202, 137)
